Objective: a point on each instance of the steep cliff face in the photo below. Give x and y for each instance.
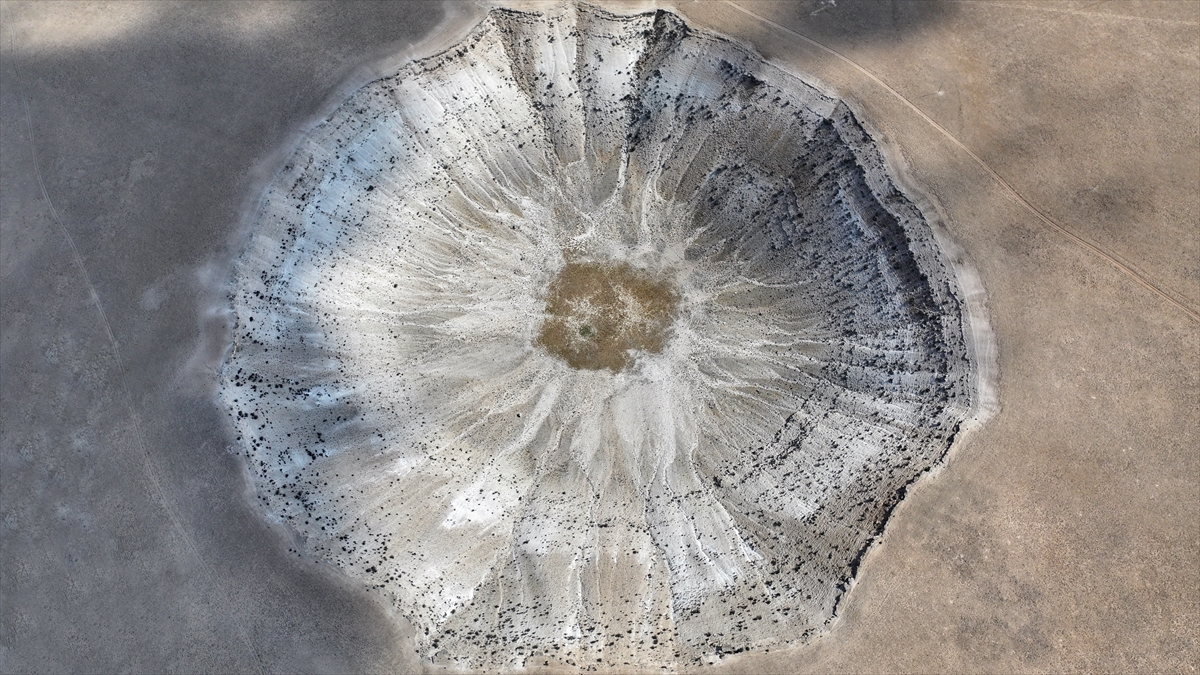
(706, 488)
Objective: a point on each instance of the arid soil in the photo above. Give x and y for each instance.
(1056, 147)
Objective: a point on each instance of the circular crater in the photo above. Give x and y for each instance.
(594, 341)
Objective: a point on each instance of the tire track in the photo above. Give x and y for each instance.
(148, 464)
(1113, 259)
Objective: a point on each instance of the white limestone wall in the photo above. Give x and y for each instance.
(714, 498)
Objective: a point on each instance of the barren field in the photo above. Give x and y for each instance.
(276, 397)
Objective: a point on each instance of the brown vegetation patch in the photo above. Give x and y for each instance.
(598, 316)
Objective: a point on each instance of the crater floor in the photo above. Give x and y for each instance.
(595, 340)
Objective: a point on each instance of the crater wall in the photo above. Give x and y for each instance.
(397, 410)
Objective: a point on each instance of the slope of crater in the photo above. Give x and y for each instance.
(784, 345)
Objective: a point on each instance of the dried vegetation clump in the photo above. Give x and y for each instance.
(601, 316)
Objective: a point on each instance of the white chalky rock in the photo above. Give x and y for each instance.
(402, 408)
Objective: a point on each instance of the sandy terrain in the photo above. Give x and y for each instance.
(1059, 143)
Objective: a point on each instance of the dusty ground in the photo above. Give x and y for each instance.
(1065, 536)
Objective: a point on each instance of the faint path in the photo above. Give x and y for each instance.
(1116, 261)
(1047, 7)
(148, 464)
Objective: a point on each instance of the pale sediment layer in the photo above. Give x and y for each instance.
(707, 490)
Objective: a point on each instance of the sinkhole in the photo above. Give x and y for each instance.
(594, 340)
